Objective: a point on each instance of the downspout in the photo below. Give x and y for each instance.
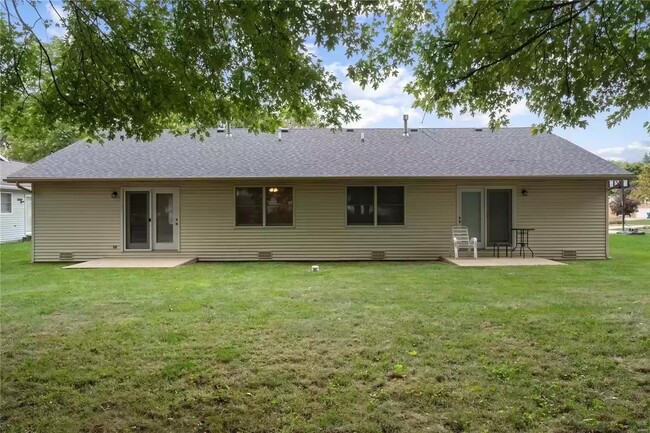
(19, 186)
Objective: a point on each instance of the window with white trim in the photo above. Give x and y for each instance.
(269, 206)
(375, 205)
(6, 204)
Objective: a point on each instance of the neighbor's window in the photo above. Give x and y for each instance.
(264, 206)
(390, 205)
(279, 206)
(361, 205)
(370, 205)
(248, 206)
(5, 203)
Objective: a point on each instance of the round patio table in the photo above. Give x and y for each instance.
(521, 241)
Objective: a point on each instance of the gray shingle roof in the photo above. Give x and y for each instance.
(317, 153)
(7, 168)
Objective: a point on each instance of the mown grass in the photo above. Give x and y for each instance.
(357, 347)
(643, 222)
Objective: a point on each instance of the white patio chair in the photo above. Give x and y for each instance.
(460, 239)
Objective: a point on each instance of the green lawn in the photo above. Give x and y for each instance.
(645, 222)
(357, 347)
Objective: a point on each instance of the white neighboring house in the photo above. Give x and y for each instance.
(15, 205)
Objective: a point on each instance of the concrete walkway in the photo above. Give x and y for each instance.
(133, 262)
(470, 262)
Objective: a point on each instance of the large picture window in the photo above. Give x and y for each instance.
(264, 206)
(6, 206)
(375, 205)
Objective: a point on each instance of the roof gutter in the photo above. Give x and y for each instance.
(367, 176)
(19, 186)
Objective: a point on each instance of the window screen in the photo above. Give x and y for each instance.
(361, 205)
(390, 205)
(248, 206)
(279, 206)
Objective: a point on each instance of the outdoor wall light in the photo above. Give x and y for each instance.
(524, 192)
(114, 195)
(20, 200)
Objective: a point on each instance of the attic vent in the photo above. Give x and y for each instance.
(66, 257)
(221, 129)
(284, 129)
(414, 130)
(349, 130)
(264, 255)
(377, 255)
(478, 129)
(569, 254)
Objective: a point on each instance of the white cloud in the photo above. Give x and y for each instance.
(632, 152)
(373, 113)
(385, 105)
(57, 14)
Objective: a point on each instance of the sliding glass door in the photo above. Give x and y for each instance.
(137, 217)
(499, 215)
(487, 213)
(471, 212)
(166, 220)
(151, 219)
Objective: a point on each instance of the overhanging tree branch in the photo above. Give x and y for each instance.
(526, 43)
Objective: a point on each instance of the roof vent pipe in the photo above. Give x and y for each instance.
(228, 134)
(279, 135)
(363, 138)
(406, 125)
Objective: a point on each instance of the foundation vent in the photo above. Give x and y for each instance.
(377, 255)
(66, 257)
(264, 255)
(569, 254)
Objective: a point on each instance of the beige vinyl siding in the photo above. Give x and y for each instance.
(84, 219)
(567, 214)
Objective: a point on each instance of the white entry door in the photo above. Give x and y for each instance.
(471, 212)
(151, 219)
(165, 221)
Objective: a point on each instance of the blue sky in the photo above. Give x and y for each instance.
(385, 106)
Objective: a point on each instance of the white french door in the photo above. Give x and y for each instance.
(151, 219)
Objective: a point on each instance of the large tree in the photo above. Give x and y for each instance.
(139, 67)
(642, 184)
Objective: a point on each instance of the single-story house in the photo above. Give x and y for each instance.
(315, 194)
(15, 204)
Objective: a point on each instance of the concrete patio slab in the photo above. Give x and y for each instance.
(133, 262)
(470, 262)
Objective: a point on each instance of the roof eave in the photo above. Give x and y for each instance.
(157, 179)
